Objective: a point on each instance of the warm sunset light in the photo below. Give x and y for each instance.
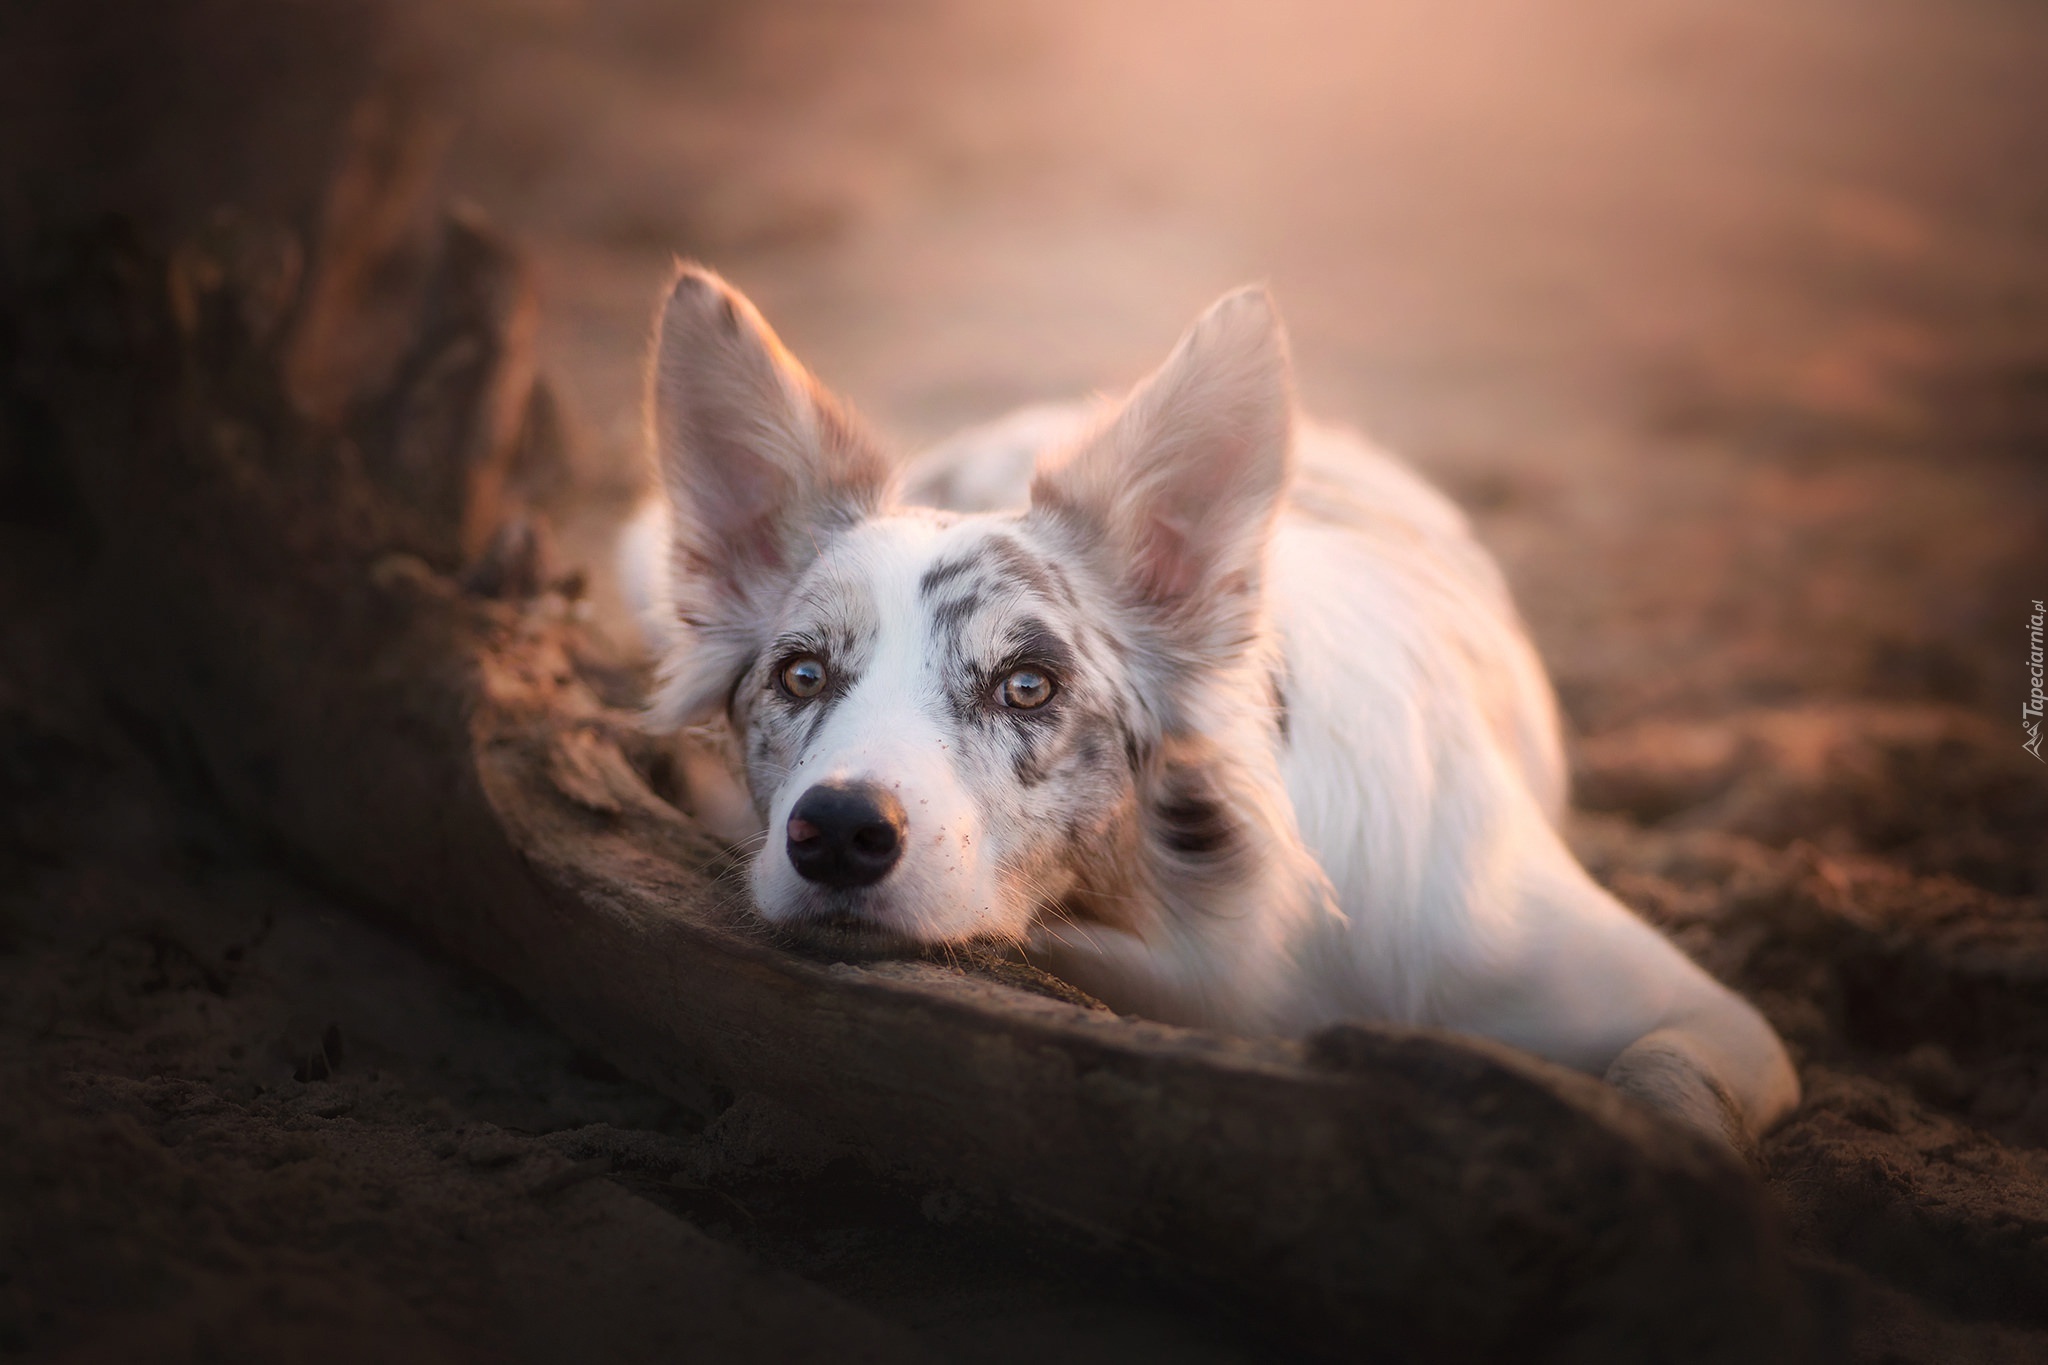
(930, 679)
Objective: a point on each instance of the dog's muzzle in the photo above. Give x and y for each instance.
(845, 835)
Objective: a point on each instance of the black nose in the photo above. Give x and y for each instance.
(845, 835)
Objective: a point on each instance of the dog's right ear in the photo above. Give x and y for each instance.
(758, 462)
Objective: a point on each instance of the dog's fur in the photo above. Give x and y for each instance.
(1301, 764)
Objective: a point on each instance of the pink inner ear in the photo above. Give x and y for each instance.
(1165, 569)
(740, 500)
(753, 547)
(1184, 526)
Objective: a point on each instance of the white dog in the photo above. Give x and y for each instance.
(1218, 714)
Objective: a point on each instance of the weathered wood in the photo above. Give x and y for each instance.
(440, 752)
(372, 255)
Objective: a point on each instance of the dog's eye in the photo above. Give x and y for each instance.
(804, 678)
(1026, 689)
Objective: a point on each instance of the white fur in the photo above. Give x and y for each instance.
(1409, 864)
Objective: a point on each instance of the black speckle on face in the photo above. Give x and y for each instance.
(1002, 560)
(1032, 642)
(1091, 749)
(1027, 754)
(1083, 761)
(944, 572)
(812, 715)
(953, 614)
(1041, 576)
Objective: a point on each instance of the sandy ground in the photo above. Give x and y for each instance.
(1728, 323)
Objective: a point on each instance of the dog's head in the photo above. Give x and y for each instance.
(951, 724)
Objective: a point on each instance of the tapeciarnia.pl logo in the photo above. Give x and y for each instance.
(2030, 714)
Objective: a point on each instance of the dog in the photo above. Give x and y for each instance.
(1217, 713)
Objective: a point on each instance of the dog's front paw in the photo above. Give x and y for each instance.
(1663, 1071)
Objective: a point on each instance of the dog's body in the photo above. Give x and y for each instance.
(1222, 716)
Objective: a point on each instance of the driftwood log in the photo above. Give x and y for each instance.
(318, 572)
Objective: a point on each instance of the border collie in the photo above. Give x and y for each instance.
(1217, 713)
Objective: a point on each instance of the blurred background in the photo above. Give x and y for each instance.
(1726, 321)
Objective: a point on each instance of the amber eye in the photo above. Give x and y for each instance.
(804, 678)
(1026, 689)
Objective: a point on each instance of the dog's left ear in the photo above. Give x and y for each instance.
(758, 462)
(1174, 498)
